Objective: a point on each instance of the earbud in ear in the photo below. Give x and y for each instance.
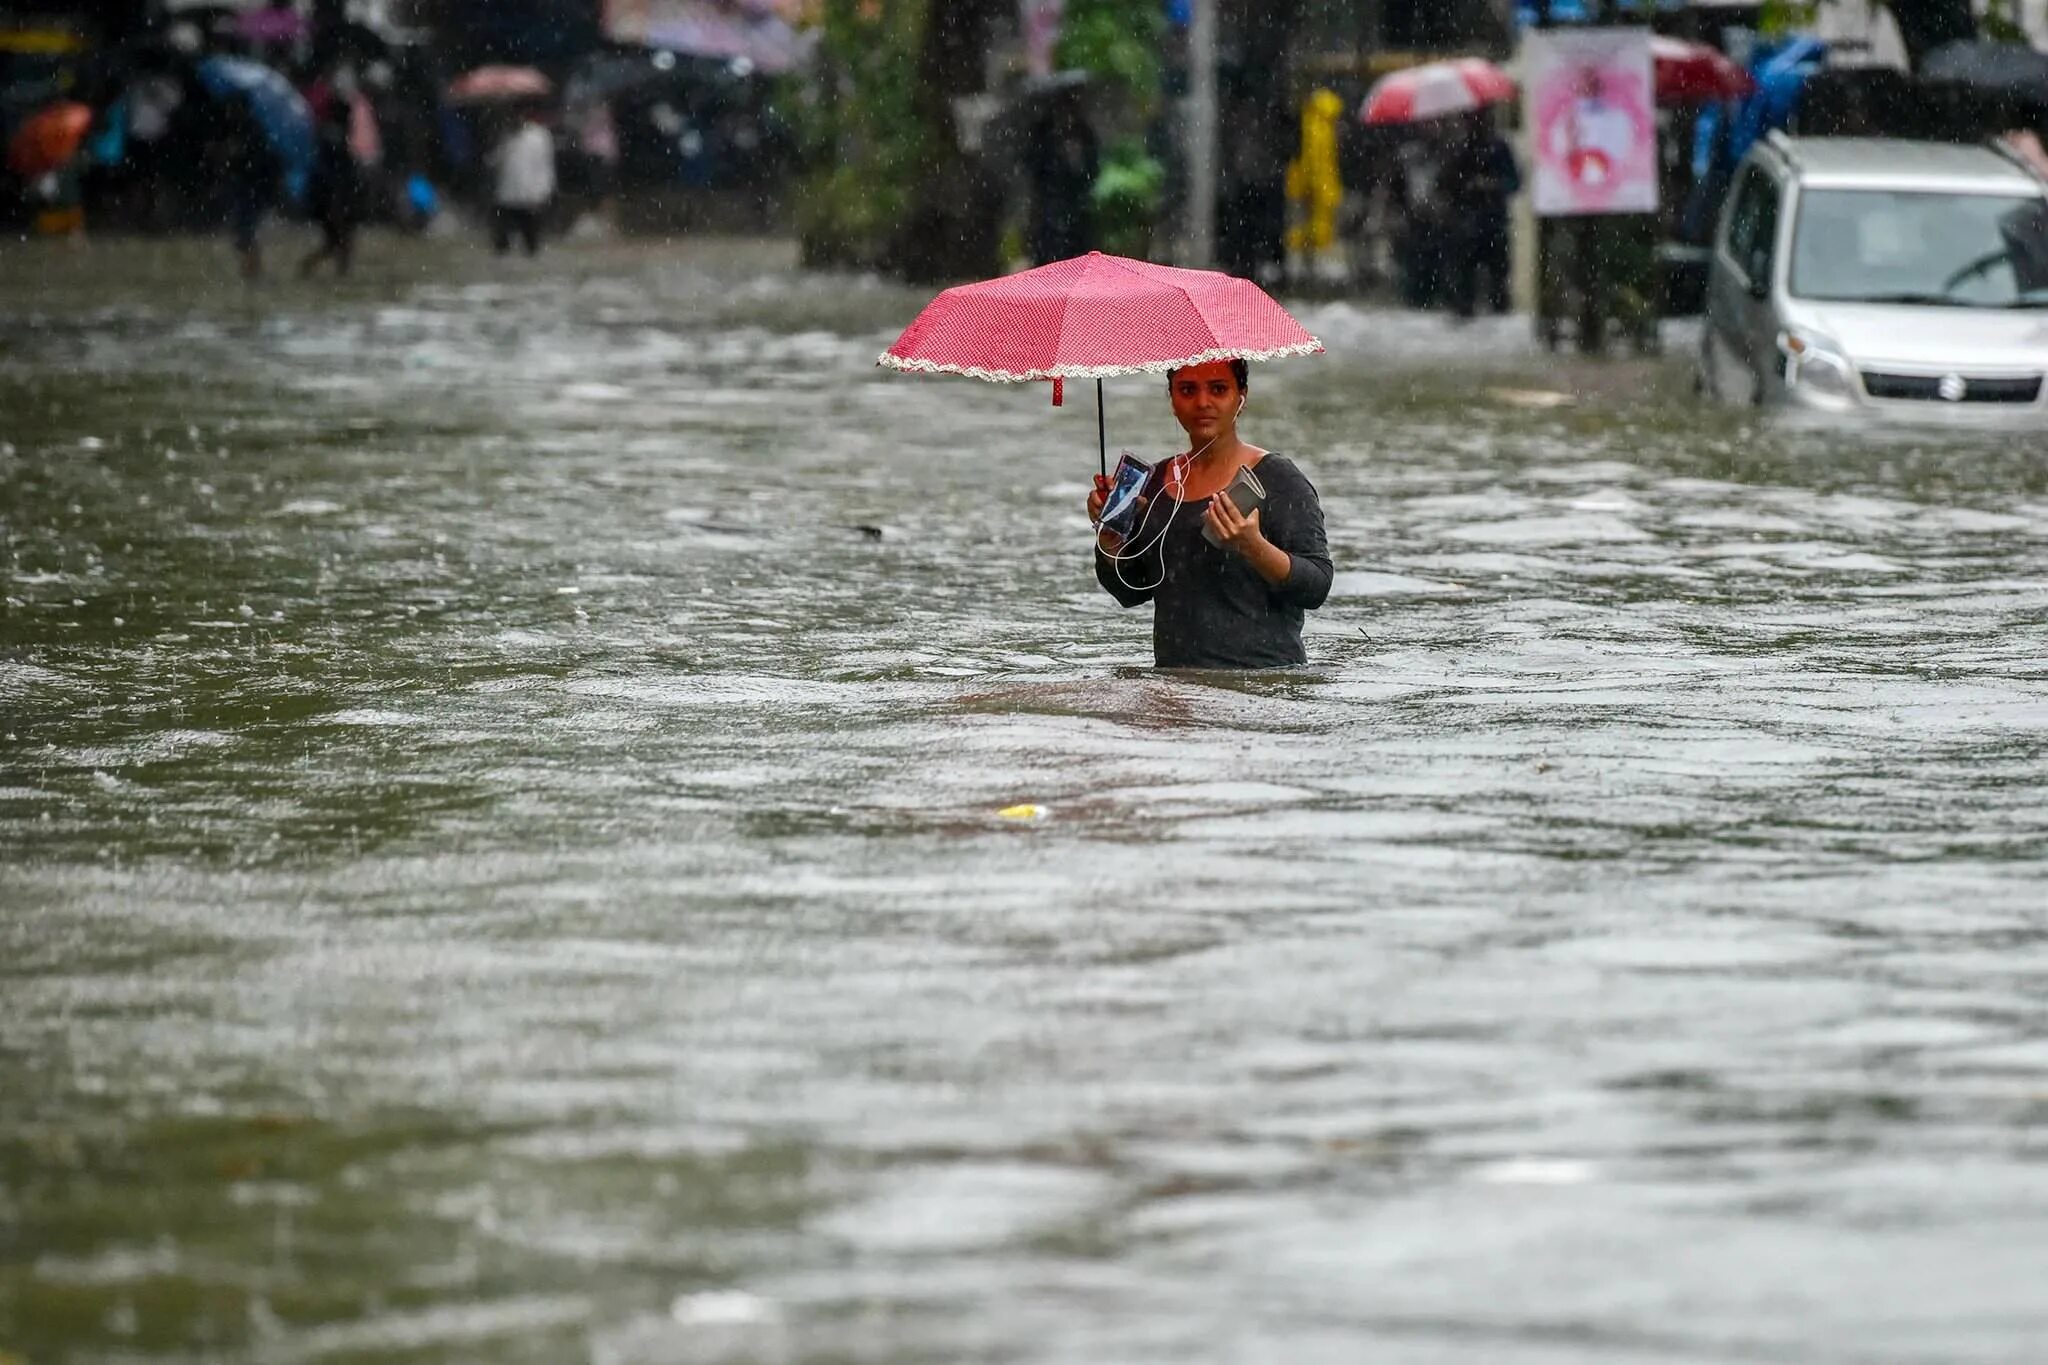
(1241, 402)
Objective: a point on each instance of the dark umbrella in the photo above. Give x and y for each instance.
(1994, 68)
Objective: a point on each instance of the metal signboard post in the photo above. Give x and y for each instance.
(1589, 108)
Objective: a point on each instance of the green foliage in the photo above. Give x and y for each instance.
(1118, 41)
(2001, 23)
(861, 134)
(1786, 16)
(1126, 197)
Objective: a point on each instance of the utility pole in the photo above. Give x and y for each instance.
(1201, 149)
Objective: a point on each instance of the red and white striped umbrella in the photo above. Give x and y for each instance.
(1435, 90)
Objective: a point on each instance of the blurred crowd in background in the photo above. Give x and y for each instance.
(824, 119)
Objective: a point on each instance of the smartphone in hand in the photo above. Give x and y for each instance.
(1121, 509)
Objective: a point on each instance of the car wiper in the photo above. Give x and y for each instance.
(1922, 299)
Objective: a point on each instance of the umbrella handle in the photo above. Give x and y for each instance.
(1101, 432)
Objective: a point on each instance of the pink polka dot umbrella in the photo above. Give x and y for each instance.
(1094, 317)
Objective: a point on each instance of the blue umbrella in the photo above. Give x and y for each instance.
(1585, 11)
(286, 121)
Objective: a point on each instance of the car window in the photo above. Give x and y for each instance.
(1962, 250)
(1752, 238)
(1762, 260)
(1740, 233)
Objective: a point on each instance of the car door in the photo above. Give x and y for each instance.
(1760, 324)
(1744, 258)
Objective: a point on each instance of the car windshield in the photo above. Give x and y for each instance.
(1958, 250)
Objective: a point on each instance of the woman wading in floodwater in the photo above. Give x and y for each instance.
(1238, 603)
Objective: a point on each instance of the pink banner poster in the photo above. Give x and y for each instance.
(1592, 121)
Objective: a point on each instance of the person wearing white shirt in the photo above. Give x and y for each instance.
(525, 166)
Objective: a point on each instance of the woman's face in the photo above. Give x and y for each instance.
(1206, 399)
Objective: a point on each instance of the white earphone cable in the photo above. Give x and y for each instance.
(1116, 560)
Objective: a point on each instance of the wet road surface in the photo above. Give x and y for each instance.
(499, 853)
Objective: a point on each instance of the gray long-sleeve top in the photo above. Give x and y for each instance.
(1210, 608)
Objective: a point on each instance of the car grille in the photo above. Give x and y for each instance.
(1925, 388)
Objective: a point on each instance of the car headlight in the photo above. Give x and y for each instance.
(1816, 365)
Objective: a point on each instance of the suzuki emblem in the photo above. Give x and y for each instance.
(1953, 389)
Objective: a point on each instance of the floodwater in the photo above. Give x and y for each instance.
(499, 773)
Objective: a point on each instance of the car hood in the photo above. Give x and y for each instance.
(1997, 340)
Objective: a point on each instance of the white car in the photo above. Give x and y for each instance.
(1880, 276)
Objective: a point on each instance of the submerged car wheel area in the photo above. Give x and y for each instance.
(1868, 275)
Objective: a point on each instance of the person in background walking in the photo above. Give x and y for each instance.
(1480, 180)
(252, 174)
(153, 103)
(1063, 159)
(1314, 181)
(1421, 212)
(525, 166)
(334, 194)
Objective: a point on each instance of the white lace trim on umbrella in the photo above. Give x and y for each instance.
(917, 366)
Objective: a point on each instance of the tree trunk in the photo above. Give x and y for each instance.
(952, 230)
(1260, 128)
(1926, 24)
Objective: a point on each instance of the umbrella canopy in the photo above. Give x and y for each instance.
(490, 84)
(1095, 316)
(1693, 73)
(1436, 90)
(759, 32)
(286, 121)
(1995, 68)
(49, 139)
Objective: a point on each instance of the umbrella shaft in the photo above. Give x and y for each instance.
(1101, 431)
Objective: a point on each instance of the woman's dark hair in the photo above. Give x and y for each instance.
(1239, 370)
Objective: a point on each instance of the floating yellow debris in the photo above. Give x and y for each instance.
(1532, 398)
(1023, 813)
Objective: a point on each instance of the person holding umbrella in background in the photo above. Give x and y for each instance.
(1479, 180)
(265, 147)
(46, 152)
(524, 166)
(1454, 181)
(252, 174)
(334, 192)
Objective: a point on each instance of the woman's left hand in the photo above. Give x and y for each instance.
(1238, 533)
(1244, 539)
